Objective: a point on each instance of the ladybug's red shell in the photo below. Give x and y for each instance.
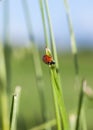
(48, 60)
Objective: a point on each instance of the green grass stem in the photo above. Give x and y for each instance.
(56, 73)
(44, 24)
(7, 47)
(72, 36)
(83, 118)
(57, 112)
(28, 20)
(52, 39)
(60, 101)
(8, 51)
(14, 108)
(74, 52)
(39, 79)
(59, 97)
(3, 92)
(80, 103)
(52, 80)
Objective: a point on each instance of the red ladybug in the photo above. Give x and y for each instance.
(48, 60)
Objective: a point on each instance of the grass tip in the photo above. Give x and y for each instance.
(88, 91)
(72, 119)
(17, 90)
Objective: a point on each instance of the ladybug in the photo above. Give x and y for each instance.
(48, 60)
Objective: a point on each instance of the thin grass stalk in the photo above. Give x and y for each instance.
(12, 113)
(80, 103)
(58, 118)
(72, 36)
(74, 52)
(7, 48)
(60, 101)
(48, 124)
(3, 92)
(86, 90)
(14, 108)
(28, 20)
(53, 46)
(56, 73)
(56, 90)
(39, 79)
(44, 24)
(52, 39)
(83, 118)
(36, 59)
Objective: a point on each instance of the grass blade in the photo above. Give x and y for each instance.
(74, 52)
(14, 108)
(44, 24)
(58, 118)
(7, 48)
(52, 80)
(52, 39)
(80, 103)
(28, 21)
(3, 92)
(39, 80)
(83, 118)
(72, 36)
(56, 70)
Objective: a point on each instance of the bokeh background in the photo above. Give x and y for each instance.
(13, 29)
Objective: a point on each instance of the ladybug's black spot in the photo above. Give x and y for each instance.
(52, 62)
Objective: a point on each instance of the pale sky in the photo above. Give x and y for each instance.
(81, 13)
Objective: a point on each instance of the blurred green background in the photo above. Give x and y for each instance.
(23, 74)
(14, 33)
